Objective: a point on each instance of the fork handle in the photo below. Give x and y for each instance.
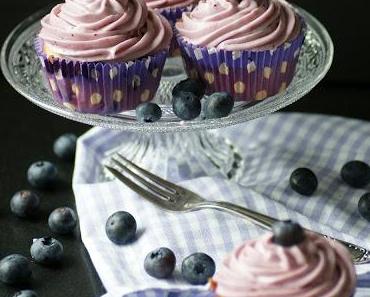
(259, 219)
(359, 254)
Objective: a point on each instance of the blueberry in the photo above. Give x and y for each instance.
(25, 204)
(42, 174)
(356, 174)
(186, 106)
(189, 85)
(47, 251)
(121, 227)
(218, 105)
(15, 269)
(65, 146)
(148, 112)
(364, 206)
(303, 181)
(26, 293)
(197, 268)
(62, 220)
(287, 233)
(160, 263)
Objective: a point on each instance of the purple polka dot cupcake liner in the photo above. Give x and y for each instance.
(101, 87)
(246, 75)
(172, 15)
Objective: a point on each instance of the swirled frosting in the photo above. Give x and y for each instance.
(160, 4)
(104, 30)
(261, 268)
(248, 25)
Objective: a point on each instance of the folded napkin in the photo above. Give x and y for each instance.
(272, 147)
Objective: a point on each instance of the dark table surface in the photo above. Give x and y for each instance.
(27, 134)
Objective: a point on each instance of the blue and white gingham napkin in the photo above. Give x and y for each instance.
(272, 147)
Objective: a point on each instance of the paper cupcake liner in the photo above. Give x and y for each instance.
(172, 15)
(246, 75)
(101, 87)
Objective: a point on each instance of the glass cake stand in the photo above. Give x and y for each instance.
(22, 69)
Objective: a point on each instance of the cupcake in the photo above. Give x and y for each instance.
(249, 49)
(172, 10)
(103, 56)
(288, 263)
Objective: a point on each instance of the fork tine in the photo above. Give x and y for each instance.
(164, 183)
(138, 189)
(150, 185)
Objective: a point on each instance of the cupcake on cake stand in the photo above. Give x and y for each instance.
(184, 142)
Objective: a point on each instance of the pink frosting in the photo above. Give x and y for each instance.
(104, 30)
(260, 268)
(248, 25)
(160, 4)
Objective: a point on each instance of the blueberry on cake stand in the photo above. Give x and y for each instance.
(163, 140)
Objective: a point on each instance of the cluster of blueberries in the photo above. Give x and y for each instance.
(354, 173)
(160, 263)
(187, 104)
(16, 269)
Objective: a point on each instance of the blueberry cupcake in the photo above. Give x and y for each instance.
(172, 10)
(287, 263)
(249, 49)
(103, 56)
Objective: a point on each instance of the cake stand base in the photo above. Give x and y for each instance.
(181, 156)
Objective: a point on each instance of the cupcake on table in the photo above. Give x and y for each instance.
(249, 48)
(103, 56)
(288, 263)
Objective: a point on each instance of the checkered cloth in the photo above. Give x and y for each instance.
(272, 147)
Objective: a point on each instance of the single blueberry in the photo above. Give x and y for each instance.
(356, 174)
(62, 220)
(218, 105)
(42, 174)
(148, 112)
(190, 85)
(26, 293)
(186, 106)
(303, 181)
(198, 268)
(25, 204)
(160, 263)
(121, 227)
(15, 269)
(47, 251)
(65, 146)
(287, 233)
(364, 206)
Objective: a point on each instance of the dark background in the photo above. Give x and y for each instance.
(27, 134)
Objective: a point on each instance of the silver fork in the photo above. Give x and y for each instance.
(171, 197)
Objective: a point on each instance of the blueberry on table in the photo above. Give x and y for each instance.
(160, 263)
(65, 146)
(364, 206)
(356, 174)
(197, 268)
(121, 227)
(26, 293)
(287, 233)
(62, 220)
(42, 174)
(148, 112)
(186, 105)
(47, 251)
(218, 105)
(303, 181)
(15, 269)
(189, 85)
(25, 204)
